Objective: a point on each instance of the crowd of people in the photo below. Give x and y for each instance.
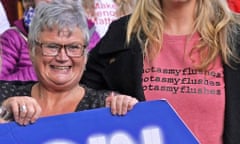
(186, 52)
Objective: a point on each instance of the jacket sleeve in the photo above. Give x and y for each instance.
(16, 64)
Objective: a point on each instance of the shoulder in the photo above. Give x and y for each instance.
(119, 24)
(13, 34)
(11, 40)
(121, 20)
(15, 88)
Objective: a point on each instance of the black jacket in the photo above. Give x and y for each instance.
(116, 66)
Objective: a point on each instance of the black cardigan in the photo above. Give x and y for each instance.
(116, 66)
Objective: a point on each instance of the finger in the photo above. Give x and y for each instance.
(125, 104)
(132, 103)
(113, 105)
(15, 110)
(29, 114)
(23, 113)
(37, 113)
(119, 101)
(109, 99)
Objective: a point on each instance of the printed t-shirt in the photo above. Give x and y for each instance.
(197, 97)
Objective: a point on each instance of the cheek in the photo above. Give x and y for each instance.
(40, 63)
(79, 66)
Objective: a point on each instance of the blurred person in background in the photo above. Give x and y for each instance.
(16, 63)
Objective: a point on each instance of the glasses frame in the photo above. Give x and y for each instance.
(66, 49)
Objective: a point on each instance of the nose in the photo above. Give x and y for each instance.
(62, 55)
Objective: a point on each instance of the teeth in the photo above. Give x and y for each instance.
(61, 67)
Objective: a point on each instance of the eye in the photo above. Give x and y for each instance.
(52, 46)
(73, 47)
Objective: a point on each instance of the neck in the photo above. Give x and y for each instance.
(55, 102)
(52, 98)
(179, 17)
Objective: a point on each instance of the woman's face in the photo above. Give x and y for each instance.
(59, 57)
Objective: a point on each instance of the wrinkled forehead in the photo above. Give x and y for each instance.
(63, 31)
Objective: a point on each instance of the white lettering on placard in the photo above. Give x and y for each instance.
(149, 135)
(60, 141)
(97, 139)
(121, 138)
(152, 135)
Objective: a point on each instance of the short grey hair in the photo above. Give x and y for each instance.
(61, 14)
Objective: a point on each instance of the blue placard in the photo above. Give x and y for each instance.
(152, 122)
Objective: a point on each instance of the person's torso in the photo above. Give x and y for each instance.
(198, 97)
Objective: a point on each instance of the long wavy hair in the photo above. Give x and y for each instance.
(214, 21)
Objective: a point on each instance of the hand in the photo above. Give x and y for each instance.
(120, 104)
(24, 109)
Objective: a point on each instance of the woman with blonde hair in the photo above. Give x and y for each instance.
(184, 51)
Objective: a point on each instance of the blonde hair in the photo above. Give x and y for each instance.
(214, 21)
(125, 7)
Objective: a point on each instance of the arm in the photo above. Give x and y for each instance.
(16, 64)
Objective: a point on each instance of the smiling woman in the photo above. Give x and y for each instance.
(57, 38)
